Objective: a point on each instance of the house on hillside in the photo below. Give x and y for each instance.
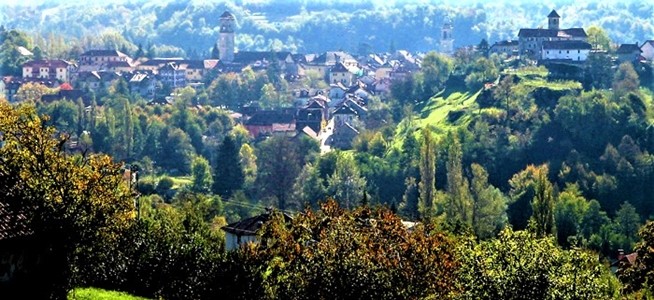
(271, 122)
(245, 231)
(172, 75)
(628, 52)
(530, 40)
(98, 60)
(506, 47)
(572, 51)
(52, 69)
(345, 75)
(314, 115)
(344, 131)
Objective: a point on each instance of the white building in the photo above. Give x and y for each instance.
(565, 50)
(246, 230)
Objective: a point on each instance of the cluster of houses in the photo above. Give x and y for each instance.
(352, 80)
(564, 45)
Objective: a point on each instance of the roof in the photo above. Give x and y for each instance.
(553, 14)
(339, 67)
(269, 117)
(23, 51)
(541, 32)
(628, 49)
(567, 45)
(252, 56)
(227, 15)
(50, 63)
(12, 224)
(650, 42)
(345, 110)
(118, 64)
(250, 226)
(506, 43)
(332, 57)
(104, 53)
(309, 132)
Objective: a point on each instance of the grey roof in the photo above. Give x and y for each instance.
(506, 43)
(566, 45)
(250, 226)
(345, 110)
(553, 14)
(628, 49)
(269, 117)
(227, 15)
(103, 53)
(252, 56)
(540, 32)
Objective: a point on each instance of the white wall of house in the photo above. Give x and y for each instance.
(571, 54)
(233, 241)
(648, 51)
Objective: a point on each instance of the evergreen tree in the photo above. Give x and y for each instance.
(279, 165)
(409, 205)
(139, 52)
(228, 172)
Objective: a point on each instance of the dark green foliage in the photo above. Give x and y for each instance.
(228, 171)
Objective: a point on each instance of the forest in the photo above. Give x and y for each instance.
(476, 177)
(189, 28)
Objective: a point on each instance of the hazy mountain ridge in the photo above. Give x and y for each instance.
(316, 27)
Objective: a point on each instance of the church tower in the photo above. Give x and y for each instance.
(447, 42)
(226, 41)
(553, 20)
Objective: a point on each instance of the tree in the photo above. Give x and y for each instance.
(522, 194)
(569, 212)
(519, 265)
(459, 207)
(279, 165)
(74, 207)
(435, 70)
(625, 80)
(640, 275)
(346, 184)
(598, 38)
(32, 92)
(176, 152)
(249, 162)
(201, 172)
(543, 204)
(228, 171)
(627, 223)
(427, 167)
(308, 188)
(38, 53)
(409, 208)
(489, 205)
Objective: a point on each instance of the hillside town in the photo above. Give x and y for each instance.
(324, 114)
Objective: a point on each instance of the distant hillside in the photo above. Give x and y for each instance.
(307, 26)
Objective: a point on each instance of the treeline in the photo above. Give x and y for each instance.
(191, 29)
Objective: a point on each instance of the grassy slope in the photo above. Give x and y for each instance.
(99, 294)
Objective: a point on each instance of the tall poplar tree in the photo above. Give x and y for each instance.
(459, 208)
(427, 167)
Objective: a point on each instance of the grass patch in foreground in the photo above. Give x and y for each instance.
(100, 294)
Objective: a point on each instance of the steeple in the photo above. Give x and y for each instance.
(226, 40)
(447, 42)
(553, 20)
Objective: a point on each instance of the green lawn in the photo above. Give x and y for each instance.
(438, 108)
(100, 294)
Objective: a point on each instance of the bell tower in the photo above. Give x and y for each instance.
(447, 42)
(553, 20)
(226, 40)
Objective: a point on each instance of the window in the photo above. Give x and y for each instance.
(559, 51)
(567, 51)
(578, 51)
